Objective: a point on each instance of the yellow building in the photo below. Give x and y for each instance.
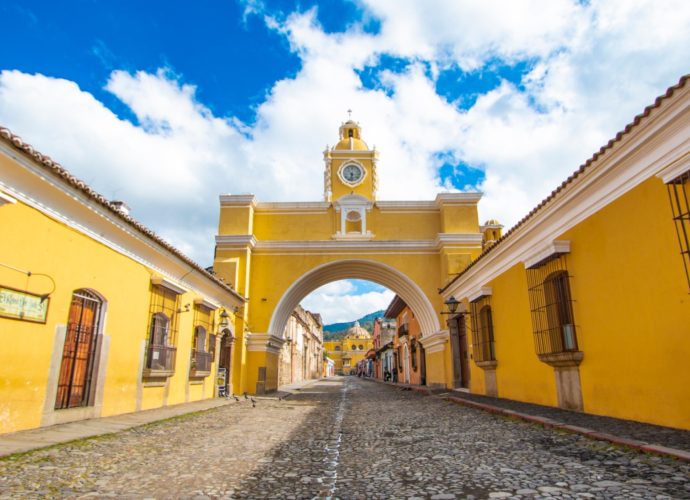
(277, 253)
(585, 303)
(350, 350)
(98, 315)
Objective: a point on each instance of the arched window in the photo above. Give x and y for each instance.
(78, 356)
(354, 347)
(337, 348)
(361, 347)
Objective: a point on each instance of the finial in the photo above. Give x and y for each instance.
(349, 114)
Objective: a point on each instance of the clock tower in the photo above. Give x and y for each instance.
(350, 166)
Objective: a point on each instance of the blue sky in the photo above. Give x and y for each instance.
(165, 104)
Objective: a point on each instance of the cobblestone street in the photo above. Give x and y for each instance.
(342, 438)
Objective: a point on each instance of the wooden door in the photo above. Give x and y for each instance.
(464, 354)
(76, 369)
(458, 344)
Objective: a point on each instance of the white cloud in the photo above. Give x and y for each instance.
(594, 66)
(337, 302)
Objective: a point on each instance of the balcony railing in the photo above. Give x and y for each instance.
(403, 330)
(201, 363)
(160, 360)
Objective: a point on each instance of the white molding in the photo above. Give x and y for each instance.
(239, 241)
(675, 169)
(6, 199)
(662, 140)
(34, 186)
(484, 291)
(264, 342)
(292, 207)
(435, 342)
(450, 199)
(350, 242)
(205, 303)
(167, 284)
(462, 239)
(237, 200)
(354, 236)
(543, 252)
(407, 206)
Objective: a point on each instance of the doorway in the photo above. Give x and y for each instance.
(225, 358)
(79, 352)
(458, 341)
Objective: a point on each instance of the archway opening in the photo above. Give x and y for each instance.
(323, 292)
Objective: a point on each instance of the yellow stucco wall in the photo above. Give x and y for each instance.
(632, 308)
(35, 242)
(519, 373)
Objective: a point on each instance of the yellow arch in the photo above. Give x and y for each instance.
(371, 270)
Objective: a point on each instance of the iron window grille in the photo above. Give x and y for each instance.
(162, 336)
(678, 195)
(482, 329)
(201, 356)
(551, 305)
(413, 354)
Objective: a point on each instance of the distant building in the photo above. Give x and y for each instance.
(301, 357)
(384, 331)
(409, 352)
(349, 351)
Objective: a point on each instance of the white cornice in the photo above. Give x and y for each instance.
(484, 291)
(543, 252)
(6, 199)
(461, 239)
(237, 200)
(264, 342)
(240, 241)
(205, 303)
(167, 284)
(645, 151)
(407, 206)
(435, 342)
(675, 169)
(341, 243)
(298, 206)
(449, 199)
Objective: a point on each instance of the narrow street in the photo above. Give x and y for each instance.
(342, 438)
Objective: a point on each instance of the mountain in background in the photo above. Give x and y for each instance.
(336, 331)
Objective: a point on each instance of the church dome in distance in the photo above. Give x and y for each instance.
(351, 137)
(357, 332)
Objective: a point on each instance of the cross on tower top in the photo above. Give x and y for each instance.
(349, 114)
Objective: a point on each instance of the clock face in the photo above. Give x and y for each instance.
(352, 173)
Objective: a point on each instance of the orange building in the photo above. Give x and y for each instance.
(408, 351)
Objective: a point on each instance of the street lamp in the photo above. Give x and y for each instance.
(224, 323)
(452, 304)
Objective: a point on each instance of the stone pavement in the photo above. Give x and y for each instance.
(619, 431)
(342, 438)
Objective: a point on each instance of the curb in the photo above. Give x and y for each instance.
(641, 446)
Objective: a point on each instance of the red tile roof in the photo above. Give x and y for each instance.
(585, 166)
(59, 171)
